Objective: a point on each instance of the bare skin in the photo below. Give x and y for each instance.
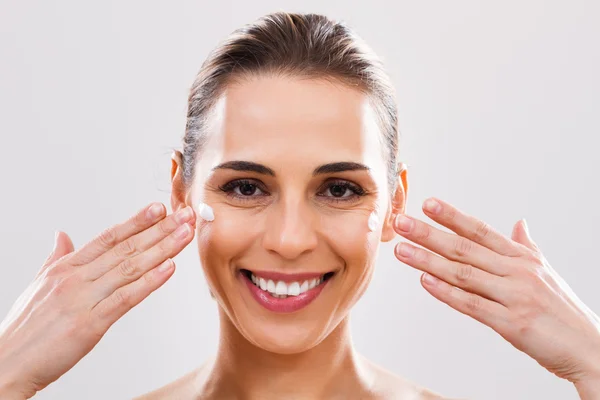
(289, 219)
(291, 126)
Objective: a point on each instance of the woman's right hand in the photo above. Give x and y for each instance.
(77, 296)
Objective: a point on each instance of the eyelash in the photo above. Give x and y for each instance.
(229, 189)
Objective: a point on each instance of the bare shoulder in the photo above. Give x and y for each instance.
(389, 386)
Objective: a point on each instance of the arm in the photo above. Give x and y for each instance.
(588, 390)
(508, 285)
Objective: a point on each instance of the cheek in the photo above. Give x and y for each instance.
(220, 241)
(351, 239)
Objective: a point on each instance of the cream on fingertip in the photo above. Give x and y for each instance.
(206, 212)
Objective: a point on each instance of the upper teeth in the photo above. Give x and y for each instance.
(281, 288)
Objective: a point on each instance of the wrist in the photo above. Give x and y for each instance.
(10, 391)
(588, 389)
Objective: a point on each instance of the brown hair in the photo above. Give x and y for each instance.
(296, 45)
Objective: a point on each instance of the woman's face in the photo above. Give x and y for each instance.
(292, 169)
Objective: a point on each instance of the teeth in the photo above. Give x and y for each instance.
(293, 289)
(281, 290)
(304, 287)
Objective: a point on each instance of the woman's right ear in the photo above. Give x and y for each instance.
(177, 188)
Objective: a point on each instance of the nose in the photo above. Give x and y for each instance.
(290, 230)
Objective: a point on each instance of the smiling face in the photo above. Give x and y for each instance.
(293, 169)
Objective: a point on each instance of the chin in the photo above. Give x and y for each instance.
(287, 339)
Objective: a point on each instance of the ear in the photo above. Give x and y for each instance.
(178, 195)
(397, 204)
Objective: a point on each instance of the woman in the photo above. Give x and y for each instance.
(292, 146)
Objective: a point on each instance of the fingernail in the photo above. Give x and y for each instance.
(405, 250)
(404, 223)
(154, 211)
(430, 279)
(432, 206)
(166, 265)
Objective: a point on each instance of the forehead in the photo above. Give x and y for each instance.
(280, 121)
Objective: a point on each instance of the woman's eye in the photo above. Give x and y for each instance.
(246, 189)
(340, 190)
(242, 189)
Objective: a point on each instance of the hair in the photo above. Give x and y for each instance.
(295, 45)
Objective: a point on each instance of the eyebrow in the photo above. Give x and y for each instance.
(321, 169)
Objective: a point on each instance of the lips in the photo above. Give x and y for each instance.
(284, 292)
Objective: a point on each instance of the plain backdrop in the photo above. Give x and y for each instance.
(499, 107)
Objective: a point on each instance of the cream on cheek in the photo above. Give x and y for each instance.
(206, 212)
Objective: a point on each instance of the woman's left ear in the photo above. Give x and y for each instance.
(398, 204)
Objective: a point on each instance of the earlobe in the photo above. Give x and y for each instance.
(177, 190)
(398, 204)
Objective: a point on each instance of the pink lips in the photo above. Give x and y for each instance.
(290, 303)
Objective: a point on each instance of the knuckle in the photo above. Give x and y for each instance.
(127, 248)
(140, 219)
(450, 213)
(463, 273)
(65, 285)
(423, 232)
(148, 278)
(108, 237)
(128, 268)
(121, 298)
(474, 304)
(535, 258)
(165, 227)
(482, 230)
(462, 247)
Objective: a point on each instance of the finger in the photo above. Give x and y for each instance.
(451, 246)
(470, 227)
(114, 235)
(109, 310)
(464, 276)
(137, 244)
(520, 234)
(132, 268)
(488, 312)
(62, 246)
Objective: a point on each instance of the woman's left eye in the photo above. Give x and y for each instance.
(342, 191)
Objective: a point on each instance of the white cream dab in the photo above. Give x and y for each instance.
(373, 222)
(206, 212)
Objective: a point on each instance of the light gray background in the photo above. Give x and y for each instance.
(498, 112)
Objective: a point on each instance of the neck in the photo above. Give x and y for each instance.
(242, 370)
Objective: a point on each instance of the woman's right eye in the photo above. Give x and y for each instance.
(242, 188)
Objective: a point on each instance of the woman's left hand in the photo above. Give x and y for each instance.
(506, 284)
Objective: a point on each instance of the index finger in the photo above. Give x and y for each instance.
(114, 235)
(471, 228)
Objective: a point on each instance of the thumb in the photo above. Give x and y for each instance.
(62, 246)
(520, 234)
